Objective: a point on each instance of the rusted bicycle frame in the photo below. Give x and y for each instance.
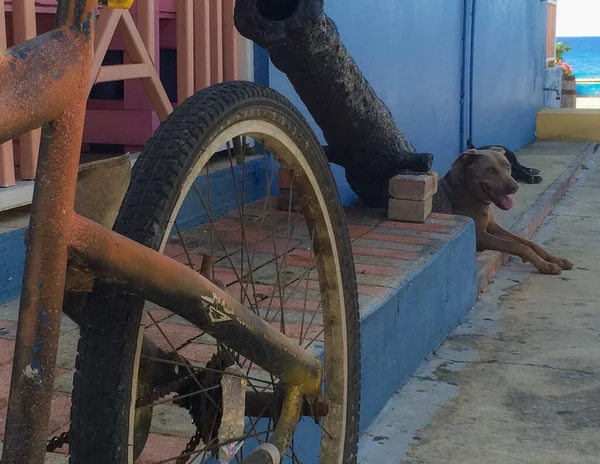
(45, 83)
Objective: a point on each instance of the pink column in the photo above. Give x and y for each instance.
(201, 45)
(147, 24)
(216, 41)
(230, 43)
(24, 28)
(7, 161)
(185, 49)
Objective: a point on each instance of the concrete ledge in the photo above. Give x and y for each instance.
(488, 262)
(422, 297)
(568, 124)
(18, 195)
(21, 193)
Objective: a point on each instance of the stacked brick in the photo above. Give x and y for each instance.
(411, 196)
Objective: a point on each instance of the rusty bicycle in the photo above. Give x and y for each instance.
(264, 354)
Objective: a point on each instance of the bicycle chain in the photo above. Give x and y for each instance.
(155, 394)
(57, 442)
(159, 392)
(190, 447)
(199, 407)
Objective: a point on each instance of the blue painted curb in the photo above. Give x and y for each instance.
(402, 331)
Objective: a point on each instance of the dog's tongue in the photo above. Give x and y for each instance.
(507, 203)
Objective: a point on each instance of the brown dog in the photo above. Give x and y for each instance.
(476, 179)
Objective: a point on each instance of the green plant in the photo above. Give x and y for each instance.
(561, 49)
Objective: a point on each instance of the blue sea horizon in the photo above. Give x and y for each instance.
(584, 58)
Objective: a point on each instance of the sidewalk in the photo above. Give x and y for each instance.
(588, 102)
(518, 381)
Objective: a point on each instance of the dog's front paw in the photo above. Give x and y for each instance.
(564, 264)
(549, 268)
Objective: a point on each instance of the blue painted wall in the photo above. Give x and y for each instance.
(12, 251)
(509, 71)
(411, 52)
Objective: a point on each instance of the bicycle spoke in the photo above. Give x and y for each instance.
(243, 290)
(315, 338)
(210, 231)
(278, 282)
(187, 253)
(180, 397)
(266, 202)
(284, 288)
(189, 370)
(222, 245)
(212, 447)
(281, 291)
(202, 368)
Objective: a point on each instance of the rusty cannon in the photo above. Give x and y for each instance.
(358, 127)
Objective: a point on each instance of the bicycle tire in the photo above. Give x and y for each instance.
(106, 359)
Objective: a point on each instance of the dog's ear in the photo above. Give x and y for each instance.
(498, 149)
(466, 158)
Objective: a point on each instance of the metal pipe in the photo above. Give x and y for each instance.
(471, 69)
(464, 73)
(172, 285)
(51, 217)
(553, 89)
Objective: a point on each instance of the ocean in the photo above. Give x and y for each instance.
(585, 61)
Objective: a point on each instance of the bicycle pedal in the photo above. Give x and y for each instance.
(233, 421)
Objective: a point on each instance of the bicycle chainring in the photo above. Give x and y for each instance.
(204, 408)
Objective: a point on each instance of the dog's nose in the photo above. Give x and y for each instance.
(512, 188)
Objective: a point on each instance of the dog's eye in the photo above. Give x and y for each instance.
(492, 170)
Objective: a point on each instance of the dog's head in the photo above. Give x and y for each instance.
(487, 175)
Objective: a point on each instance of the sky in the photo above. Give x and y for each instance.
(578, 18)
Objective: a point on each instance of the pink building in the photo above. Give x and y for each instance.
(148, 59)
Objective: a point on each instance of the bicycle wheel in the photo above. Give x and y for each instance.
(201, 192)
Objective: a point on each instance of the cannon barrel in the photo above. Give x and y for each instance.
(359, 128)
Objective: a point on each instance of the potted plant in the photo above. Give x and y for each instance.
(569, 85)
